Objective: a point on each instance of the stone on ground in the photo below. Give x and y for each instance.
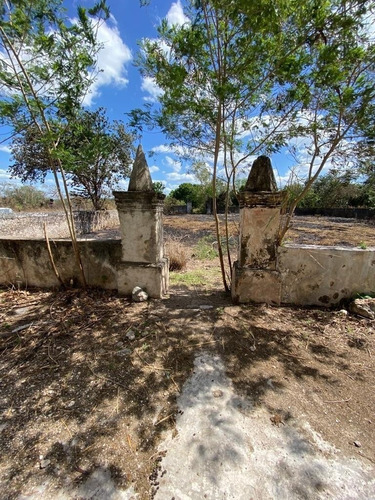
(363, 307)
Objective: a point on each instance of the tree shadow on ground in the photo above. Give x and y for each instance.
(82, 370)
(89, 379)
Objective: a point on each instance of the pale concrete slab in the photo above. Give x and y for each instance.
(226, 449)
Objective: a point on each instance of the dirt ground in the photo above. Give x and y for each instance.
(89, 379)
(305, 230)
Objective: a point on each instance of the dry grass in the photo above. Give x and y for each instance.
(177, 253)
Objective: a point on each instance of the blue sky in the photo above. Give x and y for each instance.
(120, 87)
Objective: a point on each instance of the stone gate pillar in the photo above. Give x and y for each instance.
(140, 212)
(255, 275)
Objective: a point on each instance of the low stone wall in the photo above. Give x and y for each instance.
(26, 263)
(176, 210)
(30, 224)
(313, 275)
(347, 213)
(304, 274)
(307, 275)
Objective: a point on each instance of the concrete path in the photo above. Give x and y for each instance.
(226, 449)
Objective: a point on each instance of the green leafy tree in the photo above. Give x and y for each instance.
(171, 202)
(329, 191)
(96, 154)
(333, 90)
(188, 192)
(215, 72)
(46, 68)
(247, 77)
(99, 155)
(158, 187)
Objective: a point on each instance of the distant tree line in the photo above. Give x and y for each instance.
(201, 197)
(335, 190)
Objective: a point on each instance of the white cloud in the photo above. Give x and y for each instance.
(172, 163)
(5, 149)
(163, 148)
(176, 16)
(122, 185)
(150, 86)
(168, 149)
(177, 177)
(112, 60)
(154, 169)
(4, 174)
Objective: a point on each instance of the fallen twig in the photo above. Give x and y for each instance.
(89, 447)
(152, 366)
(50, 357)
(293, 356)
(338, 401)
(203, 343)
(163, 419)
(173, 380)
(160, 453)
(130, 443)
(107, 379)
(67, 428)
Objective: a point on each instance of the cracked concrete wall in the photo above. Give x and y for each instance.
(312, 275)
(26, 263)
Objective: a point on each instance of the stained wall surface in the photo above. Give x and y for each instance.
(312, 275)
(26, 263)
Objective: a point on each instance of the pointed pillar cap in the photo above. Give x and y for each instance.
(140, 178)
(261, 177)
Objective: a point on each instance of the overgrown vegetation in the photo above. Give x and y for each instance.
(201, 196)
(96, 154)
(22, 197)
(197, 277)
(335, 190)
(205, 249)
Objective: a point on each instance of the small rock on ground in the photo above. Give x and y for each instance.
(139, 295)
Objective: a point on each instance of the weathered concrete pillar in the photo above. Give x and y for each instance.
(140, 212)
(255, 275)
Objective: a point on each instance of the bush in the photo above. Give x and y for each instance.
(177, 254)
(205, 249)
(24, 198)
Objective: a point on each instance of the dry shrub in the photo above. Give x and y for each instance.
(177, 254)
